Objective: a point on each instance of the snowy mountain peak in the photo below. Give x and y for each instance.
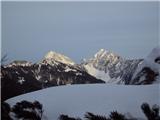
(50, 54)
(110, 67)
(54, 56)
(155, 53)
(103, 56)
(101, 52)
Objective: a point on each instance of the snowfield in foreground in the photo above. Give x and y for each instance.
(75, 100)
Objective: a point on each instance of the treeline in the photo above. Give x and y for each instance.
(26, 110)
(150, 113)
(23, 110)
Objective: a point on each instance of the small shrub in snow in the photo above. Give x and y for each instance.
(116, 116)
(28, 110)
(66, 117)
(5, 110)
(150, 113)
(113, 116)
(91, 116)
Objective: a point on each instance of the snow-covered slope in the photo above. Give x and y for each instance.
(97, 73)
(110, 67)
(53, 56)
(75, 100)
(149, 70)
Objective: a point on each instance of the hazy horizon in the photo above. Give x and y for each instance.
(78, 29)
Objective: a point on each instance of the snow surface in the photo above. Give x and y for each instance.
(67, 69)
(75, 100)
(21, 80)
(97, 73)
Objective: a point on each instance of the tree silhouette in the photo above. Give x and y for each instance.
(5, 110)
(4, 59)
(28, 110)
(91, 116)
(116, 116)
(66, 117)
(150, 113)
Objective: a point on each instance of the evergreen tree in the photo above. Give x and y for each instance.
(91, 116)
(116, 116)
(151, 114)
(66, 117)
(5, 110)
(28, 110)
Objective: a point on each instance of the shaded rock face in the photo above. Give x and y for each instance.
(10, 84)
(16, 80)
(157, 60)
(148, 75)
(145, 76)
(148, 71)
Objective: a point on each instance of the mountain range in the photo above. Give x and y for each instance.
(19, 77)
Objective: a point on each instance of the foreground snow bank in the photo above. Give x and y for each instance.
(75, 100)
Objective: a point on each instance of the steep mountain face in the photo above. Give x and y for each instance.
(148, 71)
(17, 80)
(111, 68)
(21, 77)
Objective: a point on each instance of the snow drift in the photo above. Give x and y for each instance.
(75, 100)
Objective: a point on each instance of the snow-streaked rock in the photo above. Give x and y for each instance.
(150, 65)
(110, 67)
(41, 75)
(23, 63)
(21, 80)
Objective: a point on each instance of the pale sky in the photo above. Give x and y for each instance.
(78, 29)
